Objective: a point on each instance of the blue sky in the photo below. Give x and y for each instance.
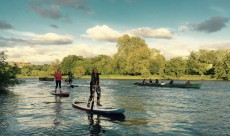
(40, 31)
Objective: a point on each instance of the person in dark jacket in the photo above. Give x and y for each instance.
(95, 86)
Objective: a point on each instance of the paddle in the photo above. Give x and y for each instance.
(95, 87)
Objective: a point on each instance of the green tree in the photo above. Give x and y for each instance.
(68, 63)
(54, 66)
(157, 63)
(7, 72)
(176, 67)
(132, 56)
(222, 69)
(198, 64)
(79, 71)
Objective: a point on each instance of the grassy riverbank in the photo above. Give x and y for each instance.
(186, 77)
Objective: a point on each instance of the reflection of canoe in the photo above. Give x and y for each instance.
(97, 110)
(176, 85)
(62, 94)
(45, 79)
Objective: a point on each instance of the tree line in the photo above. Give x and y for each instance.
(134, 57)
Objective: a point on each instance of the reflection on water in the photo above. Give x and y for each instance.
(57, 109)
(30, 109)
(94, 125)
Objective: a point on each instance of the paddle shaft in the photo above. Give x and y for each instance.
(95, 87)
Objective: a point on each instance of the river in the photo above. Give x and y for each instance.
(30, 109)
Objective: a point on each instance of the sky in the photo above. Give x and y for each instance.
(41, 31)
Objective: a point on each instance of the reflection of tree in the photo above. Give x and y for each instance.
(94, 125)
(57, 108)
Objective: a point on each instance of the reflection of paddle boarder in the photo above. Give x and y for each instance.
(95, 127)
(58, 78)
(57, 108)
(94, 86)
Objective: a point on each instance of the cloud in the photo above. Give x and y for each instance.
(152, 33)
(47, 54)
(34, 39)
(53, 8)
(5, 25)
(183, 28)
(103, 33)
(52, 12)
(52, 39)
(224, 45)
(211, 25)
(74, 4)
(10, 42)
(54, 26)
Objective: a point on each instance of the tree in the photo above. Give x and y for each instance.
(198, 64)
(157, 63)
(175, 67)
(132, 56)
(54, 66)
(79, 71)
(7, 73)
(222, 69)
(68, 63)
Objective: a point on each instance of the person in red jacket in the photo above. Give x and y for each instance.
(58, 78)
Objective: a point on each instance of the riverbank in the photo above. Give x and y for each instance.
(185, 77)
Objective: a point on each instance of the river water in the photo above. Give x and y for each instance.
(30, 109)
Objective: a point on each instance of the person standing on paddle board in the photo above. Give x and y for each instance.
(58, 78)
(94, 86)
(70, 78)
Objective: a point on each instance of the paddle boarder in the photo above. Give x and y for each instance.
(58, 78)
(94, 86)
(70, 78)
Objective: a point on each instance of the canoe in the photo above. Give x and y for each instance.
(174, 85)
(97, 109)
(62, 94)
(45, 79)
(72, 86)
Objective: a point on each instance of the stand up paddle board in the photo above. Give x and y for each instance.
(62, 94)
(97, 109)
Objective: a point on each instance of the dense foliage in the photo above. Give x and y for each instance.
(7, 73)
(134, 57)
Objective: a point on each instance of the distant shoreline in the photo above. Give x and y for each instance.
(186, 77)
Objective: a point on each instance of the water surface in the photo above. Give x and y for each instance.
(30, 109)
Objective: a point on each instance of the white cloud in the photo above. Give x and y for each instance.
(183, 28)
(162, 33)
(37, 39)
(224, 45)
(47, 54)
(103, 33)
(52, 39)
